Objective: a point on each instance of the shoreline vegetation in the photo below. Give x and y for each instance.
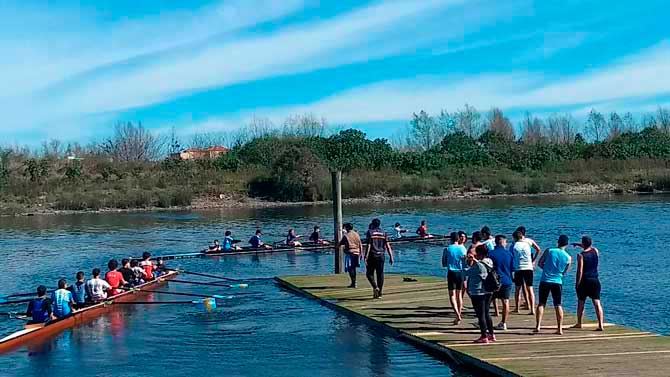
(460, 155)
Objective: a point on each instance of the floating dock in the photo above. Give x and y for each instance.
(419, 312)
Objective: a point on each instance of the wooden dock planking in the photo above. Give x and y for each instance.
(420, 313)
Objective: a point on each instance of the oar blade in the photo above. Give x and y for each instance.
(206, 305)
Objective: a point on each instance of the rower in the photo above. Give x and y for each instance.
(229, 242)
(96, 288)
(40, 308)
(397, 228)
(126, 271)
(147, 265)
(256, 241)
(160, 269)
(315, 237)
(78, 291)
(138, 272)
(216, 246)
(292, 238)
(114, 278)
(423, 230)
(63, 302)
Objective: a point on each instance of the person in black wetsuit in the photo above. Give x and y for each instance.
(375, 252)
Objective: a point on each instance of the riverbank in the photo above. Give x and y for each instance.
(223, 201)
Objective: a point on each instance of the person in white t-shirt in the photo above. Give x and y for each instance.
(523, 271)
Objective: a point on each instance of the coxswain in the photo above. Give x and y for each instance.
(292, 238)
(215, 247)
(96, 288)
(315, 237)
(40, 309)
(114, 278)
(63, 302)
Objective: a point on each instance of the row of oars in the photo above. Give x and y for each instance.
(207, 302)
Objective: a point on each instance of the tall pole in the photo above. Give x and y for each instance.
(337, 217)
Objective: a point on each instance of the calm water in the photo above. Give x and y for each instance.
(271, 332)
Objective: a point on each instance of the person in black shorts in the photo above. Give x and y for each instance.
(555, 263)
(375, 252)
(587, 283)
(453, 259)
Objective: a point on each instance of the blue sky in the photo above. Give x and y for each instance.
(72, 69)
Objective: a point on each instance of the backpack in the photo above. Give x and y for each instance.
(492, 281)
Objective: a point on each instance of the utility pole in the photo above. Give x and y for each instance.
(337, 217)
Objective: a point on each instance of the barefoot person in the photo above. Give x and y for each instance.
(536, 254)
(452, 259)
(523, 271)
(377, 247)
(476, 272)
(503, 261)
(587, 284)
(353, 247)
(555, 263)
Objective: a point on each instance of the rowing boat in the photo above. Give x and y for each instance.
(247, 250)
(38, 333)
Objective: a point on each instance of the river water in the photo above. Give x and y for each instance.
(268, 331)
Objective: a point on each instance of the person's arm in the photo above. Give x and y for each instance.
(106, 285)
(389, 249)
(445, 258)
(71, 302)
(50, 311)
(29, 309)
(580, 269)
(542, 258)
(567, 268)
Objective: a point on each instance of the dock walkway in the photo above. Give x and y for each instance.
(419, 312)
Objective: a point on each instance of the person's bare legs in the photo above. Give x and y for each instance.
(539, 312)
(580, 314)
(600, 314)
(454, 296)
(559, 319)
(505, 311)
(530, 298)
(496, 312)
(517, 297)
(460, 305)
(524, 291)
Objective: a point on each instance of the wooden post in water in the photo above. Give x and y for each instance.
(337, 217)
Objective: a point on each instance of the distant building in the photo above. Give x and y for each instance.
(202, 154)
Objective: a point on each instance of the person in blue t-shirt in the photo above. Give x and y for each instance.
(555, 263)
(62, 300)
(503, 262)
(39, 309)
(256, 241)
(452, 259)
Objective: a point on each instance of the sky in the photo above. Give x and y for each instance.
(71, 70)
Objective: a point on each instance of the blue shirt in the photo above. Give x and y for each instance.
(556, 260)
(490, 243)
(61, 299)
(227, 243)
(503, 261)
(78, 292)
(255, 241)
(452, 257)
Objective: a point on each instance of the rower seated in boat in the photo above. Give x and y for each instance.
(40, 308)
(214, 247)
(96, 288)
(160, 269)
(315, 237)
(114, 278)
(256, 242)
(147, 265)
(62, 300)
(127, 272)
(78, 290)
(423, 230)
(292, 238)
(229, 242)
(138, 271)
(398, 230)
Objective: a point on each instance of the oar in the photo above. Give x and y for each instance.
(15, 301)
(184, 294)
(28, 294)
(209, 284)
(205, 305)
(208, 275)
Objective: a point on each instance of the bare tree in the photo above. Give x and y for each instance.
(561, 128)
(648, 120)
(133, 143)
(469, 121)
(500, 124)
(663, 119)
(629, 123)
(532, 129)
(53, 149)
(447, 122)
(596, 126)
(614, 126)
(305, 125)
(424, 132)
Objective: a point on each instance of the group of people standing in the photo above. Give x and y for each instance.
(489, 269)
(65, 300)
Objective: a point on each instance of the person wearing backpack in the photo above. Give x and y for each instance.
(479, 270)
